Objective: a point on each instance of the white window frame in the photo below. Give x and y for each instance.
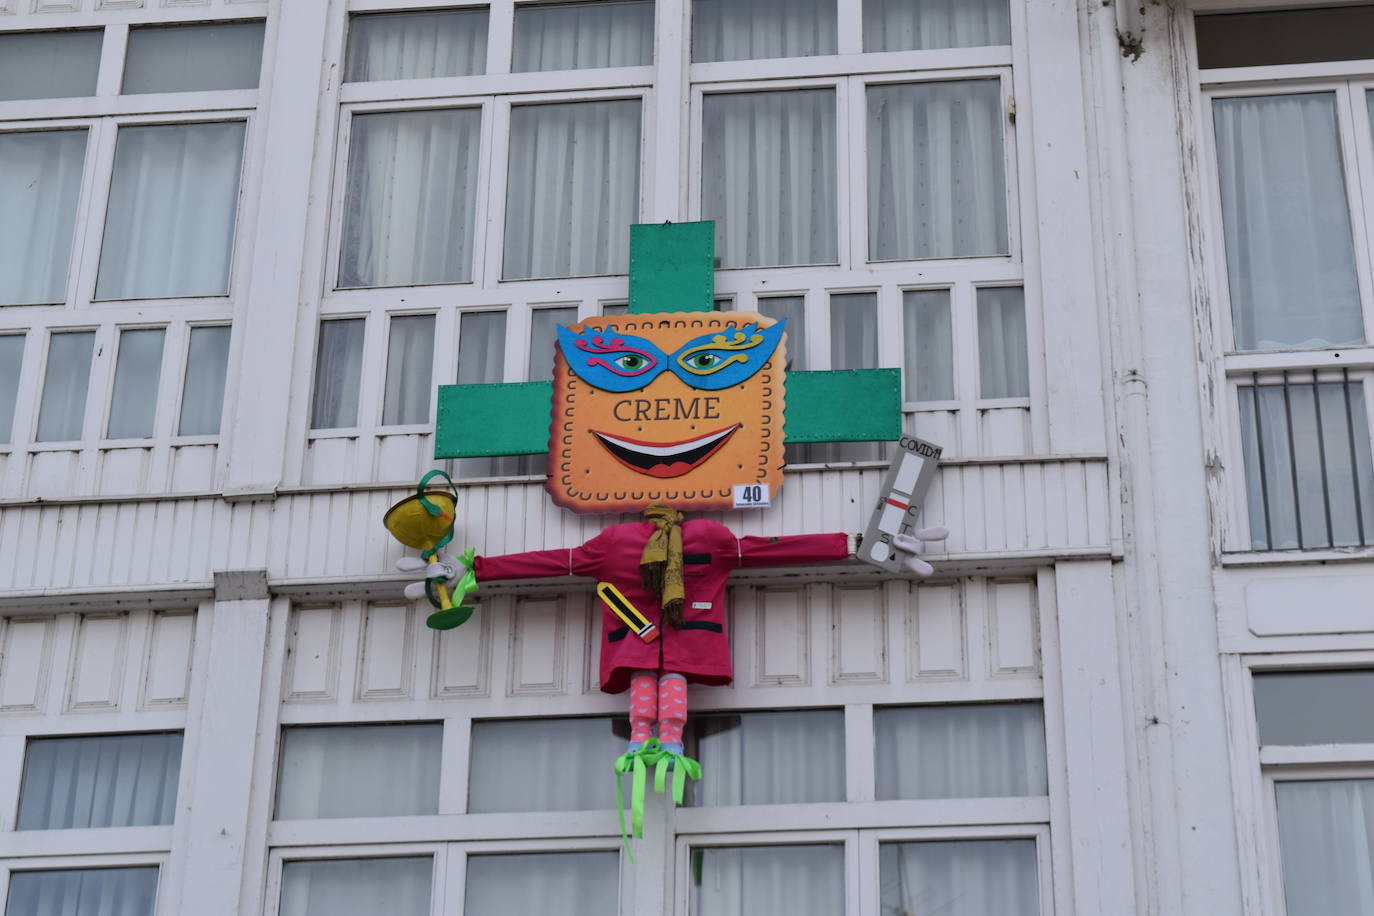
(58, 862)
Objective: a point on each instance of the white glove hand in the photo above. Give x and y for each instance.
(911, 543)
(446, 567)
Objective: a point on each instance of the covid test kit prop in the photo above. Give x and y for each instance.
(899, 503)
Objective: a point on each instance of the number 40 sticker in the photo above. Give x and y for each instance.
(751, 495)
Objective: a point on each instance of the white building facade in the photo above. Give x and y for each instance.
(1121, 255)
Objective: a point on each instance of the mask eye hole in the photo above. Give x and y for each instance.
(703, 360)
(630, 362)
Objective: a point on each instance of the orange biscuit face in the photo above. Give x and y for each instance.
(675, 408)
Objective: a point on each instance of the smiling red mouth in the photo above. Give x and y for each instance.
(665, 459)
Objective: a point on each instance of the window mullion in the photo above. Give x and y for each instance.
(112, 51)
(500, 38)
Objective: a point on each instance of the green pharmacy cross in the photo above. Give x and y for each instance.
(672, 269)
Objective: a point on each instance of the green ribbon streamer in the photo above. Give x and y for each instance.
(637, 763)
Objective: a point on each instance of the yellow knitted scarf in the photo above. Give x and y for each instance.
(660, 565)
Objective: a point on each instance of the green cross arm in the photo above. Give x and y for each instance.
(672, 269)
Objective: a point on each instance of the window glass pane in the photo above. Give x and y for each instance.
(180, 58)
(854, 331)
(1290, 260)
(409, 370)
(49, 65)
(409, 199)
(542, 340)
(1002, 364)
(338, 374)
(928, 345)
(576, 36)
(768, 881)
(550, 884)
(202, 398)
(83, 892)
(543, 765)
(133, 405)
(907, 25)
(65, 381)
(1308, 473)
(359, 771)
(1326, 832)
(768, 177)
(967, 878)
(482, 361)
(169, 230)
(992, 750)
(793, 309)
(619, 308)
(753, 29)
(1314, 707)
(11, 362)
(100, 781)
(40, 183)
(403, 46)
(344, 887)
(1272, 37)
(573, 189)
(768, 758)
(936, 174)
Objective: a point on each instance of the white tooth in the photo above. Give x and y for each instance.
(665, 451)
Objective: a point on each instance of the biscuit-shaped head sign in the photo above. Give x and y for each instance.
(676, 408)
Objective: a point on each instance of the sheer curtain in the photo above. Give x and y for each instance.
(1307, 434)
(549, 884)
(482, 361)
(753, 29)
(575, 36)
(62, 414)
(409, 370)
(181, 58)
(409, 198)
(965, 878)
(1290, 259)
(100, 781)
(910, 25)
(853, 345)
(936, 175)
(768, 758)
(359, 771)
(768, 177)
(338, 374)
(40, 183)
(928, 345)
(133, 403)
(403, 46)
(11, 362)
(572, 190)
(357, 887)
(202, 395)
(768, 881)
(169, 229)
(993, 750)
(1326, 842)
(83, 892)
(1003, 363)
(515, 769)
(49, 65)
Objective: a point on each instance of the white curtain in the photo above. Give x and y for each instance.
(964, 878)
(768, 177)
(928, 345)
(62, 415)
(403, 46)
(482, 361)
(549, 884)
(49, 65)
(754, 29)
(936, 176)
(359, 771)
(1003, 367)
(1307, 434)
(572, 190)
(993, 750)
(11, 362)
(793, 310)
(202, 395)
(133, 403)
(409, 200)
(182, 58)
(357, 887)
(83, 892)
(854, 331)
(100, 781)
(768, 881)
(1326, 842)
(911, 25)
(576, 36)
(543, 765)
(338, 374)
(1289, 255)
(169, 229)
(409, 370)
(768, 758)
(40, 182)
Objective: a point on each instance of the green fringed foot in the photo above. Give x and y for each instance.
(637, 763)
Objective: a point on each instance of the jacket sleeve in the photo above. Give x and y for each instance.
(542, 564)
(790, 549)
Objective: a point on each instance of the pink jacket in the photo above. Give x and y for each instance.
(700, 649)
